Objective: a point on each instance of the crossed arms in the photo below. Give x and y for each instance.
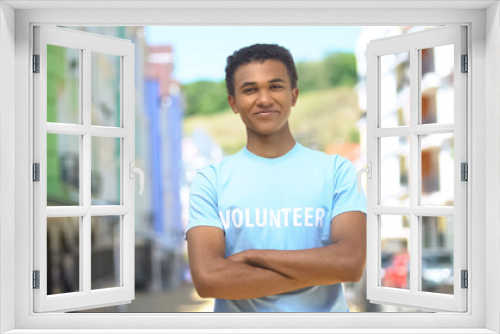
(259, 273)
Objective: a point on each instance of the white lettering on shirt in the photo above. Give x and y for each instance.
(286, 211)
(320, 213)
(247, 219)
(238, 223)
(275, 218)
(225, 221)
(261, 217)
(308, 217)
(296, 216)
(261, 222)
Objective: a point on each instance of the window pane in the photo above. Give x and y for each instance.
(395, 251)
(437, 254)
(437, 102)
(394, 170)
(105, 90)
(105, 171)
(105, 247)
(395, 90)
(63, 84)
(438, 173)
(63, 170)
(63, 255)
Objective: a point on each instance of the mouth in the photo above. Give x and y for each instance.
(265, 113)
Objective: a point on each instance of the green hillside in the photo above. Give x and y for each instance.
(318, 119)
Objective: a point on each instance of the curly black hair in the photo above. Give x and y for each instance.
(259, 53)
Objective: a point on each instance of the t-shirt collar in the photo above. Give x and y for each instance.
(286, 156)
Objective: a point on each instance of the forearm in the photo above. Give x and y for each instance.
(318, 266)
(227, 279)
(342, 261)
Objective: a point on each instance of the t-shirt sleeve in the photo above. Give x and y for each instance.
(346, 196)
(203, 208)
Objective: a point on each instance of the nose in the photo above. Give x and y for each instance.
(264, 98)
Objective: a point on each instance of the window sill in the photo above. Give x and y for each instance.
(248, 331)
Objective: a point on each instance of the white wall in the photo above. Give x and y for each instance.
(7, 160)
(492, 150)
(285, 16)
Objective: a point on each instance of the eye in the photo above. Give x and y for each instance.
(276, 87)
(248, 90)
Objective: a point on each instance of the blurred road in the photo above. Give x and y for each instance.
(183, 299)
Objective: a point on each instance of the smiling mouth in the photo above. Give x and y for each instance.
(265, 112)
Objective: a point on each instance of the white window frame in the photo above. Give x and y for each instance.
(483, 123)
(412, 44)
(86, 43)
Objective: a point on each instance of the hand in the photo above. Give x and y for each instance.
(251, 257)
(242, 257)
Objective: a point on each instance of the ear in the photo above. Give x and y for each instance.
(232, 102)
(295, 96)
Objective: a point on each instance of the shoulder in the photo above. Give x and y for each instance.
(315, 155)
(336, 160)
(340, 163)
(335, 163)
(211, 172)
(206, 174)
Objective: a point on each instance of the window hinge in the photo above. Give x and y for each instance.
(465, 64)
(36, 279)
(36, 63)
(464, 171)
(36, 172)
(465, 279)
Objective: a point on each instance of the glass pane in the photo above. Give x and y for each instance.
(437, 254)
(395, 251)
(105, 248)
(105, 171)
(395, 90)
(105, 90)
(63, 170)
(63, 255)
(437, 84)
(63, 84)
(438, 172)
(394, 171)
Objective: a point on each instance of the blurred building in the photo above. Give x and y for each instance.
(163, 105)
(159, 258)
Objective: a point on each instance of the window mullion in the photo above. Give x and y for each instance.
(127, 154)
(460, 155)
(86, 113)
(373, 189)
(40, 155)
(80, 127)
(86, 164)
(414, 170)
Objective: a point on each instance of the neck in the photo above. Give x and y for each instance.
(271, 146)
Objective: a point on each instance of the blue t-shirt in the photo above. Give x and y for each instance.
(284, 203)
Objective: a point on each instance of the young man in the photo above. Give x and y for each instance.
(276, 227)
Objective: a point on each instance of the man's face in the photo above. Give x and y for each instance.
(263, 96)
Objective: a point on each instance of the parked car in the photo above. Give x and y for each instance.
(437, 271)
(396, 271)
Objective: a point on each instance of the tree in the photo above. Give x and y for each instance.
(336, 69)
(340, 69)
(205, 97)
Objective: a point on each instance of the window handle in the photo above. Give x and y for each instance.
(367, 170)
(139, 171)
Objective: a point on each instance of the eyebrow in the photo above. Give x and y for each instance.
(251, 83)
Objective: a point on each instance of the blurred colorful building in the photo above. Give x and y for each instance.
(159, 244)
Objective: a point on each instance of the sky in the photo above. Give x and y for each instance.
(200, 52)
